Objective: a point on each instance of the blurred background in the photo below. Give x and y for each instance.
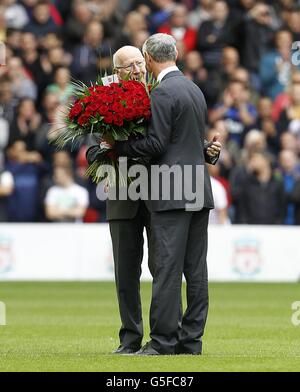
(242, 54)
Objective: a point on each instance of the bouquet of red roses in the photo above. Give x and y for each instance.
(118, 111)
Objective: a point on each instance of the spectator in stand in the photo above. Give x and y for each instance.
(63, 7)
(62, 86)
(66, 201)
(33, 62)
(134, 23)
(7, 108)
(161, 15)
(218, 216)
(243, 76)
(179, 29)
(147, 7)
(50, 41)
(12, 38)
(215, 34)
(201, 14)
(284, 99)
(27, 169)
(25, 124)
(289, 173)
(7, 102)
(139, 38)
(257, 40)
(194, 70)
(51, 105)
(276, 67)
(236, 110)
(262, 197)
(86, 57)
(42, 22)
(293, 22)
(288, 141)
(56, 57)
(254, 143)
(15, 14)
(22, 85)
(103, 10)
(77, 23)
(267, 125)
(240, 9)
(220, 78)
(290, 118)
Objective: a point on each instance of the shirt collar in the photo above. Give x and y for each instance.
(166, 71)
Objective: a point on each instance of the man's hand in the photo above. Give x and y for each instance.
(214, 150)
(107, 142)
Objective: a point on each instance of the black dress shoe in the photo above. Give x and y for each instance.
(126, 350)
(148, 350)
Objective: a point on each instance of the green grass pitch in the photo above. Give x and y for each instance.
(74, 327)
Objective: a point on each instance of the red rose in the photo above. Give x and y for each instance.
(83, 119)
(94, 107)
(103, 110)
(87, 99)
(108, 119)
(118, 120)
(146, 102)
(117, 107)
(76, 110)
(108, 99)
(129, 114)
(129, 103)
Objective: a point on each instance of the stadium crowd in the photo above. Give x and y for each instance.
(241, 53)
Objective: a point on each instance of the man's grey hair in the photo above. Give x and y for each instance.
(161, 47)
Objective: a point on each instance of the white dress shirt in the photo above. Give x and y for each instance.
(166, 71)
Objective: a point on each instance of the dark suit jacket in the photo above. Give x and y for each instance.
(175, 136)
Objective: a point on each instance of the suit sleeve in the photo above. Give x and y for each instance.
(93, 153)
(159, 131)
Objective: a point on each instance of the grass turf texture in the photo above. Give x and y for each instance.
(74, 327)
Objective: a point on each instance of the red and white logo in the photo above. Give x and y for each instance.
(247, 261)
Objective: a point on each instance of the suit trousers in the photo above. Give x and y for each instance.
(128, 241)
(179, 247)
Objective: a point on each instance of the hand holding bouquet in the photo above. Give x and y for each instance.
(118, 111)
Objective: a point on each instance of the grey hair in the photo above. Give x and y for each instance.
(161, 47)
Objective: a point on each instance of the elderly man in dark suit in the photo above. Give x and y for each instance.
(127, 222)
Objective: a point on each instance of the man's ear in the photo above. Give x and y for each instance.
(176, 55)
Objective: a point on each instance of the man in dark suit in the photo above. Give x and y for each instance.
(176, 136)
(127, 221)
